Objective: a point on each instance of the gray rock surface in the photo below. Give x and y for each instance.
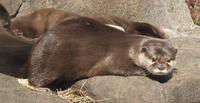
(173, 14)
(12, 92)
(12, 5)
(182, 88)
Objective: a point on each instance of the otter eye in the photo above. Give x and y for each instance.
(143, 50)
(169, 60)
(154, 59)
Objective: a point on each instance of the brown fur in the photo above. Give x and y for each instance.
(14, 52)
(81, 48)
(36, 23)
(146, 29)
(8, 38)
(131, 27)
(113, 20)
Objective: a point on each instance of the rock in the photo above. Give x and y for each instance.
(12, 6)
(162, 13)
(12, 92)
(194, 7)
(166, 13)
(185, 90)
(113, 89)
(182, 88)
(172, 14)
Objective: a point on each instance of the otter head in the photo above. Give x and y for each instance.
(157, 57)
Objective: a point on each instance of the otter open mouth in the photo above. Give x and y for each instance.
(161, 77)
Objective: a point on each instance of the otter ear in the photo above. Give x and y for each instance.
(144, 49)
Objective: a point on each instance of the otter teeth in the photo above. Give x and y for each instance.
(160, 71)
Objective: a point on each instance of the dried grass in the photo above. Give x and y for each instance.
(72, 95)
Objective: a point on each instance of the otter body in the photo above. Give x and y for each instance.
(82, 48)
(36, 23)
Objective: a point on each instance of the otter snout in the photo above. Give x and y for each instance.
(161, 66)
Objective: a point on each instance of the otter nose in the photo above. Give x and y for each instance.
(161, 67)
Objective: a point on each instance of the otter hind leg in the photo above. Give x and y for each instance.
(41, 79)
(43, 66)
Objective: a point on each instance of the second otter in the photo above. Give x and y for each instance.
(36, 23)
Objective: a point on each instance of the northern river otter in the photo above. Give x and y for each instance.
(82, 48)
